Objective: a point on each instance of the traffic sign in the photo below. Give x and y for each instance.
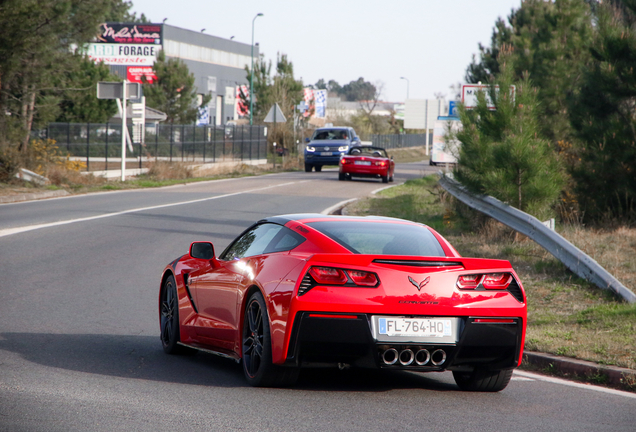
(114, 90)
(275, 115)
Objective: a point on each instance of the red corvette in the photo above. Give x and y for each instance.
(365, 161)
(312, 290)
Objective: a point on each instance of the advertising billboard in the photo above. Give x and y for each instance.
(122, 54)
(469, 95)
(141, 74)
(130, 33)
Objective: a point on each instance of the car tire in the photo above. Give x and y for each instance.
(385, 179)
(257, 349)
(342, 176)
(318, 168)
(169, 318)
(308, 167)
(483, 380)
(391, 178)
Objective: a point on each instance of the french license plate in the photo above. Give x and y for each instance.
(362, 163)
(326, 153)
(415, 329)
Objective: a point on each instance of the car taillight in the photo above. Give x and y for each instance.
(363, 278)
(468, 281)
(328, 275)
(344, 161)
(381, 163)
(498, 281)
(491, 281)
(336, 276)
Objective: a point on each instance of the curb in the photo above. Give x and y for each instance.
(610, 376)
(32, 196)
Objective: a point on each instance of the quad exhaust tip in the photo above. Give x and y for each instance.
(390, 356)
(438, 357)
(422, 357)
(406, 357)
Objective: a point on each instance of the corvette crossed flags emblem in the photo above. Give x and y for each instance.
(420, 285)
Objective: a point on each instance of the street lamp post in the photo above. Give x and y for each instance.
(407, 86)
(252, 70)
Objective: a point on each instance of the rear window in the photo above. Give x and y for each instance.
(368, 151)
(331, 134)
(377, 238)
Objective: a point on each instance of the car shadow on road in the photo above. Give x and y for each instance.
(141, 357)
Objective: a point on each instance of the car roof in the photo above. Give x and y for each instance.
(366, 147)
(333, 127)
(314, 217)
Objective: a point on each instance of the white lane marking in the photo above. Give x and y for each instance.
(385, 187)
(11, 231)
(340, 204)
(516, 378)
(553, 380)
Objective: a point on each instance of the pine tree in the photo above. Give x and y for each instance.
(174, 92)
(550, 42)
(604, 118)
(502, 152)
(78, 103)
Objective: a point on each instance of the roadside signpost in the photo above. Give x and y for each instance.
(120, 91)
(470, 91)
(275, 115)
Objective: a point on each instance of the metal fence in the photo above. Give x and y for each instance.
(401, 140)
(99, 144)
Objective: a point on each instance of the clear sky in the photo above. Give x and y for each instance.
(430, 42)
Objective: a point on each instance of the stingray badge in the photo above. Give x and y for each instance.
(420, 285)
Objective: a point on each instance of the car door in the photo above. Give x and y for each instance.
(216, 291)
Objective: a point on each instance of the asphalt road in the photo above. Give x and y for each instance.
(79, 345)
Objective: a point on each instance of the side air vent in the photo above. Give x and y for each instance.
(418, 263)
(515, 290)
(306, 284)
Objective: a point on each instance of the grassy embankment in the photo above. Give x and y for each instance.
(566, 315)
(167, 174)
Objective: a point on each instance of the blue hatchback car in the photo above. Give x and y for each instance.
(327, 145)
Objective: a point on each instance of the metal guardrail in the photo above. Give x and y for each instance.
(399, 140)
(571, 256)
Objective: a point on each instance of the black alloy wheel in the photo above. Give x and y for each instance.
(257, 349)
(169, 317)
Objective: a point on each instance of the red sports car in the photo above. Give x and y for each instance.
(366, 161)
(310, 290)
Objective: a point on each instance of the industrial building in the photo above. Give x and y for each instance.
(218, 64)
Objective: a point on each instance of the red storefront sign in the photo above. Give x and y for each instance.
(140, 73)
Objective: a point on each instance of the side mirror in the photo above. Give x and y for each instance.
(307, 140)
(202, 250)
